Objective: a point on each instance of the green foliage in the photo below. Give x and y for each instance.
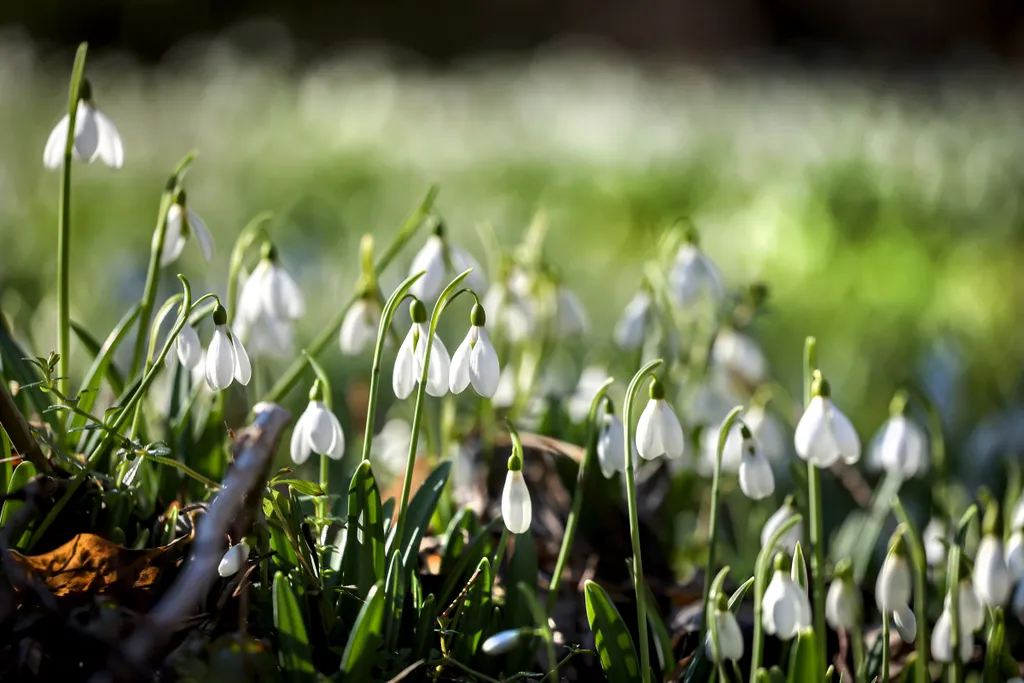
(293, 652)
(612, 640)
(362, 650)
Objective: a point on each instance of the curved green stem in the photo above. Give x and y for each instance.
(387, 314)
(917, 555)
(330, 330)
(885, 646)
(723, 435)
(634, 521)
(155, 252)
(421, 390)
(64, 224)
(815, 524)
(157, 322)
(252, 231)
(593, 431)
(761, 568)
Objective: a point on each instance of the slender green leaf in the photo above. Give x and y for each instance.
(21, 476)
(394, 593)
(804, 664)
(474, 613)
(306, 488)
(425, 625)
(994, 648)
(798, 572)
(522, 568)
(736, 599)
(362, 564)
(612, 640)
(662, 639)
(909, 672)
(478, 546)
(6, 468)
(461, 530)
(363, 645)
(388, 510)
(293, 651)
(420, 510)
(284, 552)
(14, 367)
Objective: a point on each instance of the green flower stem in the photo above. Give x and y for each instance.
(709, 622)
(634, 521)
(330, 331)
(378, 357)
(885, 646)
(815, 525)
(155, 252)
(322, 502)
(919, 559)
(499, 554)
(593, 432)
(254, 230)
(716, 486)
(761, 568)
(64, 224)
(157, 321)
(857, 645)
(446, 297)
(955, 669)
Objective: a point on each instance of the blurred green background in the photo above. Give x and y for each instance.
(886, 220)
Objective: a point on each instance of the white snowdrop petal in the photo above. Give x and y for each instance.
(1018, 602)
(991, 578)
(632, 326)
(845, 436)
(458, 376)
(648, 432)
(730, 638)
(233, 561)
(439, 369)
(359, 328)
(87, 134)
(338, 450)
(299, 446)
(285, 298)
(430, 258)
(740, 355)
(462, 260)
(894, 582)
(941, 645)
(403, 380)
(972, 614)
(757, 481)
(243, 369)
(803, 604)
(220, 360)
(572, 316)
(503, 642)
(174, 240)
(778, 518)
(842, 606)
(189, 348)
(814, 439)
(110, 148)
(611, 452)
(484, 369)
(203, 236)
(1017, 517)
(53, 153)
(906, 623)
(516, 508)
(320, 430)
(782, 610)
(672, 439)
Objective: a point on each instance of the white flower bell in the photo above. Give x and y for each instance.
(694, 278)
(188, 347)
(504, 642)
(412, 354)
(843, 607)
(906, 623)
(792, 535)
(631, 329)
(658, 431)
(571, 317)
(991, 576)
(516, 507)
(824, 434)
(181, 223)
(475, 361)
(785, 607)
(894, 583)
(611, 454)
(359, 328)
(317, 431)
(96, 137)
(730, 638)
(233, 560)
(942, 645)
(935, 538)
(740, 355)
(226, 359)
(900, 446)
(270, 290)
(757, 481)
(433, 260)
(972, 613)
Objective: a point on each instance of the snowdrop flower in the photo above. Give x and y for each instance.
(504, 642)
(317, 431)
(843, 603)
(792, 536)
(578, 403)
(571, 317)
(942, 646)
(824, 434)
(893, 586)
(433, 260)
(740, 355)
(226, 359)
(412, 354)
(1015, 555)
(233, 560)
(359, 328)
(935, 538)
(991, 577)
(765, 430)
(658, 431)
(631, 329)
(730, 638)
(505, 395)
(756, 478)
(189, 348)
(611, 454)
(96, 137)
(475, 361)
(972, 613)
(270, 291)
(694, 278)
(267, 337)
(516, 507)
(906, 624)
(181, 223)
(785, 607)
(900, 447)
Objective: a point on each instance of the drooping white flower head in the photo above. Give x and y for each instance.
(785, 607)
(475, 361)
(942, 644)
(270, 290)
(1015, 555)
(233, 560)
(763, 426)
(571, 319)
(757, 481)
(182, 223)
(510, 317)
(900, 446)
(611, 454)
(504, 642)
(433, 260)
(894, 583)
(359, 328)
(936, 538)
(972, 613)
(188, 347)
(824, 434)
(740, 355)
(843, 608)
(317, 431)
(412, 354)
(906, 623)
(516, 507)
(96, 137)
(792, 536)
(730, 638)
(631, 329)
(694, 278)
(226, 359)
(658, 431)
(991, 577)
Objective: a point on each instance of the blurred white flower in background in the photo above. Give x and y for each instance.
(359, 328)
(182, 223)
(96, 136)
(434, 261)
(695, 279)
(631, 328)
(740, 355)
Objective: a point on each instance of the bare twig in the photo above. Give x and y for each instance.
(17, 427)
(231, 511)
